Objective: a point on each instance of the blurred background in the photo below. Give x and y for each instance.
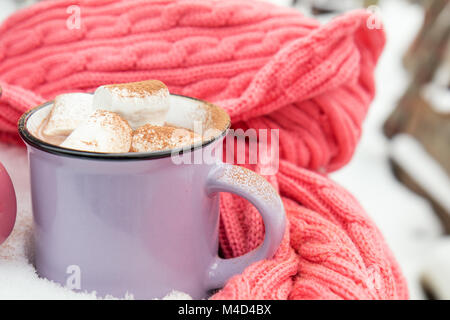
(401, 169)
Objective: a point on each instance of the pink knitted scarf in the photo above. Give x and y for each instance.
(269, 67)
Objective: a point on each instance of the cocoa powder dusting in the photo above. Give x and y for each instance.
(218, 118)
(243, 177)
(150, 138)
(114, 122)
(138, 89)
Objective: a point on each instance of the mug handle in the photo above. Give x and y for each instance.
(251, 186)
(8, 205)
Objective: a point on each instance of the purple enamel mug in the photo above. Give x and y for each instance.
(141, 223)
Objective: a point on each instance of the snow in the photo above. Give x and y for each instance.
(6, 8)
(438, 96)
(436, 275)
(407, 221)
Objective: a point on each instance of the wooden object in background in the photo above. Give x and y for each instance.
(428, 62)
(428, 49)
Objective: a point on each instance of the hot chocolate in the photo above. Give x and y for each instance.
(123, 118)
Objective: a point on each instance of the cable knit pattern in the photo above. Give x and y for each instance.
(269, 67)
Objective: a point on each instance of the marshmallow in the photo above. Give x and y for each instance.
(103, 131)
(139, 103)
(154, 138)
(68, 111)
